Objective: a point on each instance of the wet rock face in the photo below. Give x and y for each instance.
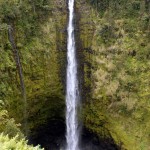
(52, 137)
(90, 141)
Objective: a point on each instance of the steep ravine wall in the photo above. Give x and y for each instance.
(51, 101)
(117, 49)
(106, 108)
(40, 37)
(85, 30)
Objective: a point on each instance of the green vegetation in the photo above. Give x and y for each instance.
(7, 143)
(34, 29)
(114, 44)
(121, 79)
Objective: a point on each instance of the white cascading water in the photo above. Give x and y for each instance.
(72, 135)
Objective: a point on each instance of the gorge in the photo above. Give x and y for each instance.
(98, 58)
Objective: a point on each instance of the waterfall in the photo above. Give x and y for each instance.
(72, 135)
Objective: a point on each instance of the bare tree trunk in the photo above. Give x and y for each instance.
(20, 72)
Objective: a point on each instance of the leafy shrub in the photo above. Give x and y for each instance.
(7, 143)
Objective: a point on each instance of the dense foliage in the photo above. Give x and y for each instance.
(34, 32)
(7, 143)
(114, 43)
(121, 52)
